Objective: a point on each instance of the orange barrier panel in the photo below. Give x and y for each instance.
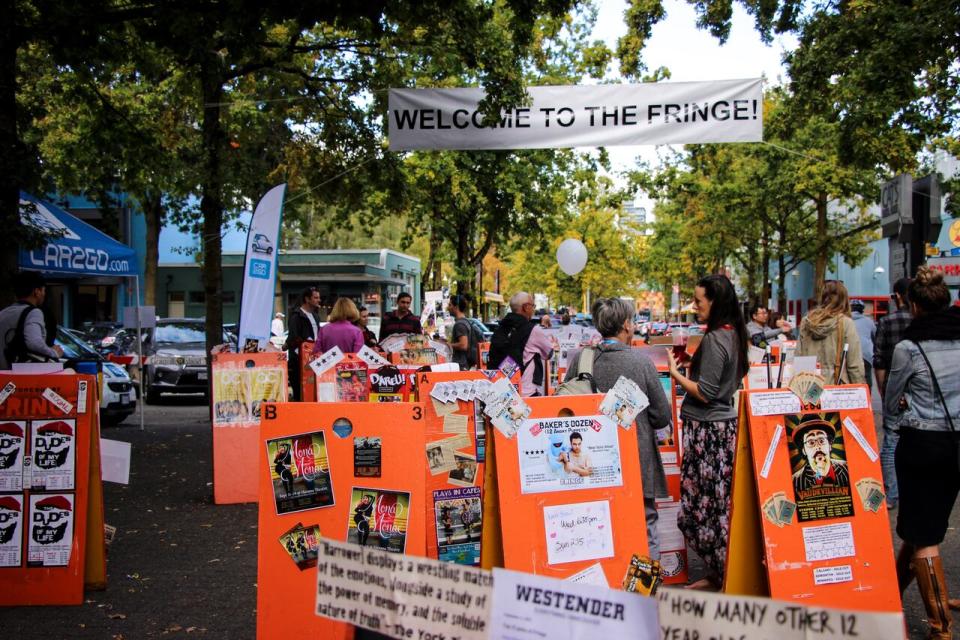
(55, 502)
(242, 382)
(329, 469)
(535, 525)
(826, 535)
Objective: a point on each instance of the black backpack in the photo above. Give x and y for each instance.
(15, 349)
(475, 338)
(509, 339)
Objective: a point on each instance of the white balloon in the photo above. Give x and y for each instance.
(571, 256)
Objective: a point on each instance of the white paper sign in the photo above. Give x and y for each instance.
(833, 575)
(57, 400)
(805, 363)
(505, 407)
(755, 354)
(371, 357)
(577, 116)
(565, 454)
(828, 542)
(13, 438)
(579, 531)
(774, 403)
(844, 398)
(115, 461)
(859, 437)
(401, 596)
(327, 361)
(772, 451)
(591, 575)
(81, 396)
(7, 391)
(531, 607)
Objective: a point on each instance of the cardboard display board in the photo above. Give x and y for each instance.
(552, 525)
(242, 382)
(308, 379)
(819, 495)
(321, 486)
(456, 456)
(50, 490)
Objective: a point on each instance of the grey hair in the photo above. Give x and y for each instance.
(609, 314)
(519, 299)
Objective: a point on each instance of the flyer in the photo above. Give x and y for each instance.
(623, 402)
(54, 454)
(11, 531)
(459, 516)
(266, 384)
(232, 393)
(480, 430)
(378, 519)
(505, 407)
(464, 474)
(11, 455)
(352, 382)
(300, 472)
(367, 458)
(302, 543)
(821, 480)
(51, 530)
(563, 454)
(387, 384)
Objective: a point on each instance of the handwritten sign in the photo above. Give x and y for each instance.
(844, 398)
(774, 403)
(580, 531)
(686, 614)
(401, 596)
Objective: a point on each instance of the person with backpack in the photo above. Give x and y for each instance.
(466, 335)
(524, 341)
(610, 360)
(22, 324)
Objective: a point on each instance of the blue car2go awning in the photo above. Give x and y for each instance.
(74, 247)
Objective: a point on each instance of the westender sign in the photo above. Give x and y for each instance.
(580, 116)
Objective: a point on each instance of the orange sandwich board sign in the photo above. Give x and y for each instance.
(577, 513)
(51, 498)
(347, 471)
(819, 495)
(242, 382)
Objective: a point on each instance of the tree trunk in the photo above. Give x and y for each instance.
(464, 251)
(13, 159)
(765, 268)
(211, 204)
(152, 206)
(781, 284)
(820, 262)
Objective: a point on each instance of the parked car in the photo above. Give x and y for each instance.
(175, 357)
(118, 400)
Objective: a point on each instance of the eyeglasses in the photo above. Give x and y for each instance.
(822, 441)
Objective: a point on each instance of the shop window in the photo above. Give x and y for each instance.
(198, 297)
(175, 304)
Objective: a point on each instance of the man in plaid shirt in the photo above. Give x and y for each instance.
(890, 330)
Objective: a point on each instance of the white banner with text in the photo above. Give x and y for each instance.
(581, 116)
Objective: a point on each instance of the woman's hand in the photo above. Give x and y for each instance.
(672, 362)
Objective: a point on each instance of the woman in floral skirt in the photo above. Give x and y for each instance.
(710, 424)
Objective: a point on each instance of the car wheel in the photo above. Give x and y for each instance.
(152, 396)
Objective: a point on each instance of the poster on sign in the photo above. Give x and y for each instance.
(459, 518)
(11, 530)
(378, 519)
(12, 451)
(51, 530)
(821, 479)
(54, 454)
(300, 472)
(562, 454)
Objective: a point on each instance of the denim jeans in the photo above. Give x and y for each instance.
(887, 449)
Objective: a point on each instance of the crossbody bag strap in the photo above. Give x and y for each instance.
(586, 361)
(836, 365)
(936, 386)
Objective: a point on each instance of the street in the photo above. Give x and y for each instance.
(180, 565)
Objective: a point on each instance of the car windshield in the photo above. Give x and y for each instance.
(73, 347)
(180, 333)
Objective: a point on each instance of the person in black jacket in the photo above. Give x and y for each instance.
(302, 326)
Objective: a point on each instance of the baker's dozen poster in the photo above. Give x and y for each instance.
(563, 454)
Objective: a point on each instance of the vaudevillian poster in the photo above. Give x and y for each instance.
(818, 459)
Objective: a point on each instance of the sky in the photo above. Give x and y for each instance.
(692, 54)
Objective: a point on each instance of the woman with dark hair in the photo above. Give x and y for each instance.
(369, 337)
(710, 424)
(923, 397)
(825, 330)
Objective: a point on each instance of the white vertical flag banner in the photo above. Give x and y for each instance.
(581, 116)
(260, 270)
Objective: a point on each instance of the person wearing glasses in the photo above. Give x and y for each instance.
(525, 342)
(815, 439)
(825, 330)
(890, 329)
